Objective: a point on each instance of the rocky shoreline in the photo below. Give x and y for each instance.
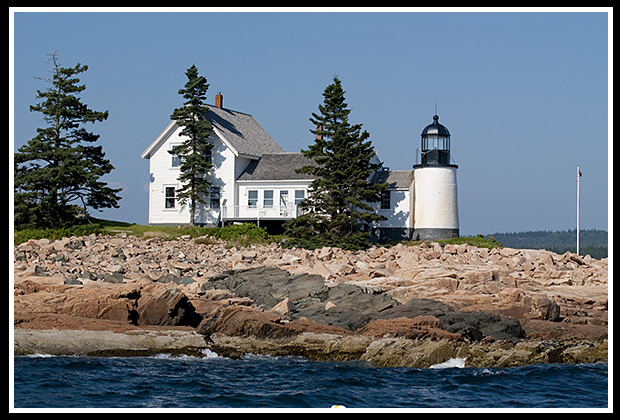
(400, 306)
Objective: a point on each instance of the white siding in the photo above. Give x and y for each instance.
(399, 213)
(223, 176)
(163, 174)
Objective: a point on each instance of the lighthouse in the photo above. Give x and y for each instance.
(436, 213)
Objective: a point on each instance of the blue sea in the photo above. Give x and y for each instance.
(293, 382)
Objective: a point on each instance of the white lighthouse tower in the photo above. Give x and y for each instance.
(436, 213)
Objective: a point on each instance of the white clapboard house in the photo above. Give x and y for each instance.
(254, 180)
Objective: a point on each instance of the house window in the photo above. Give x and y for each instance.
(268, 198)
(176, 159)
(385, 200)
(252, 198)
(284, 203)
(283, 198)
(170, 198)
(214, 199)
(299, 196)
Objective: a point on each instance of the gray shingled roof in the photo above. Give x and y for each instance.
(395, 179)
(281, 166)
(277, 167)
(242, 131)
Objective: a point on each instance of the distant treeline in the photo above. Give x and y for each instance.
(593, 241)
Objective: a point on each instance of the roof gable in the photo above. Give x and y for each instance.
(238, 130)
(242, 132)
(159, 140)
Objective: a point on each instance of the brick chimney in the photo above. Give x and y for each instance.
(219, 100)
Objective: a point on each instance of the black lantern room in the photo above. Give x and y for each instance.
(435, 144)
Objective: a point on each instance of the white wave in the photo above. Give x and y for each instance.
(450, 363)
(210, 354)
(39, 355)
(488, 372)
(253, 356)
(206, 354)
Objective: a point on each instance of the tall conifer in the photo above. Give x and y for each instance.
(195, 151)
(338, 199)
(60, 167)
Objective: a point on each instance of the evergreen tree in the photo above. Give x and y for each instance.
(338, 199)
(61, 166)
(195, 151)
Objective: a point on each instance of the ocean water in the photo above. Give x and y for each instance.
(294, 382)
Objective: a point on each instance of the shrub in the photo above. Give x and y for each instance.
(236, 235)
(249, 230)
(23, 235)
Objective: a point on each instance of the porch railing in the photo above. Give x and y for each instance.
(258, 212)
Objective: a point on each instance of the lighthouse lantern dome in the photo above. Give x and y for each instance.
(435, 148)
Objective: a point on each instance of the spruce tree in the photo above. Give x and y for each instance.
(61, 166)
(195, 151)
(338, 199)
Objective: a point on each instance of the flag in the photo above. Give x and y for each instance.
(578, 173)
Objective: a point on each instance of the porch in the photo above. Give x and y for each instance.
(259, 212)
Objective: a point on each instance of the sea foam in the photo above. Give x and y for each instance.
(450, 363)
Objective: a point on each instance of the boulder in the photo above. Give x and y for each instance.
(115, 278)
(244, 321)
(159, 304)
(285, 306)
(154, 304)
(324, 253)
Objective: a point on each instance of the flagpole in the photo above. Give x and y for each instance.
(578, 177)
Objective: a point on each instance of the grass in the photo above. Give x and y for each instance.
(235, 235)
(238, 236)
(478, 241)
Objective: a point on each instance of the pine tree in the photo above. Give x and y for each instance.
(338, 199)
(61, 166)
(195, 151)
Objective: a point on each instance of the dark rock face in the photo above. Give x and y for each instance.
(351, 307)
(267, 286)
(418, 307)
(477, 325)
(345, 305)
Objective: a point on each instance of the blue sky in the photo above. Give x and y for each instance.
(524, 94)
